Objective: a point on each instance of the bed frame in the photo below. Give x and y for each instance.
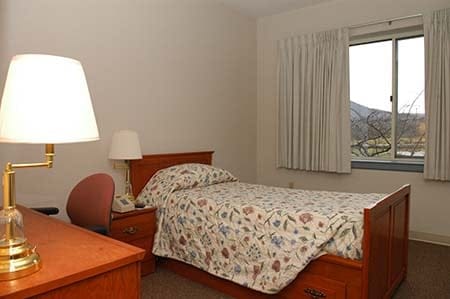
(385, 248)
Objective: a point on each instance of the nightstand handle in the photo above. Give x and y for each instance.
(130, 230)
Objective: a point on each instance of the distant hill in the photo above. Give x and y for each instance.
(358, 110)
(361, 111)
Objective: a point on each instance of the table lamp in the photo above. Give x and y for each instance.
(125, 146)
(45, 101)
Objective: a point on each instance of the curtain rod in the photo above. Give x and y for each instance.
(384, 21)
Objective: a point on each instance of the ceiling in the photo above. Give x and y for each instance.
(261, 8)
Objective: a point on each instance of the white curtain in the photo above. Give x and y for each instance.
(314, 104)
(437, 95)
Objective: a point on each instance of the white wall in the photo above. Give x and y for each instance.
(182, 73)
(430, 200)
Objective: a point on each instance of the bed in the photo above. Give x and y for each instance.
(384, 245)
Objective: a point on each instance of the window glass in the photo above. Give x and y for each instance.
(370, 94)
(411, 98)
(387, 99)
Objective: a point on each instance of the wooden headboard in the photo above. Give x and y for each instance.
(142, 170)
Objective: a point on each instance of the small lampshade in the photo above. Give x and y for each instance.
(46, 100)
(125, 146)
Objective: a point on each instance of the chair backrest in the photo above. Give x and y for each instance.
(90, 201)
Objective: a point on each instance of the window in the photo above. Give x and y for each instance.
(387, 100)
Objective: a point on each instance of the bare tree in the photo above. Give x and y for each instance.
(372, 133)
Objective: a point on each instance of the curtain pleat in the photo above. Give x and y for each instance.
(437, 95)
(314, 105)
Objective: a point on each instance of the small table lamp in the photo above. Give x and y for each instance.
(125, 146)
(46, 101)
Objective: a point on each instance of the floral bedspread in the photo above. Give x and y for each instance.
(257, 236)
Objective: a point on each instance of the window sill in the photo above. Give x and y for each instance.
(406, 166)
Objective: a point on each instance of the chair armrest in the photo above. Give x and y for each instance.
(47, 210)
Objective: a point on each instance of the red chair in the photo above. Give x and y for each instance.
(90, 201)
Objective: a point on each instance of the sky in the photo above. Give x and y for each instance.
(371, 74)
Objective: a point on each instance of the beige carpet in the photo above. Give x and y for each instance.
(428, 278)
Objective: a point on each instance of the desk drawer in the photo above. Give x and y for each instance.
(132, 228)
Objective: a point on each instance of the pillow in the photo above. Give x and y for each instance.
(179, 177)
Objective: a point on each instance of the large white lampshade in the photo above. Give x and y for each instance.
(46, 100)
(125, 146)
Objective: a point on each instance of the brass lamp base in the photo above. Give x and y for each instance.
(18, 259)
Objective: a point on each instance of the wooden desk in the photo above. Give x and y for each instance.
(76, 263)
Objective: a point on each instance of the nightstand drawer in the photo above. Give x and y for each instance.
(137, 228)
(132, 228)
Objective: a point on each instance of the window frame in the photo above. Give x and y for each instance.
(394, 163)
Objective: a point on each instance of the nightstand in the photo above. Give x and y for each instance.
(137, 228)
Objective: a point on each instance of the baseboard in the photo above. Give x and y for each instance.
(429, 238)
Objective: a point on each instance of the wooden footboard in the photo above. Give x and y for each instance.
(385, 245)
(385, 248)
